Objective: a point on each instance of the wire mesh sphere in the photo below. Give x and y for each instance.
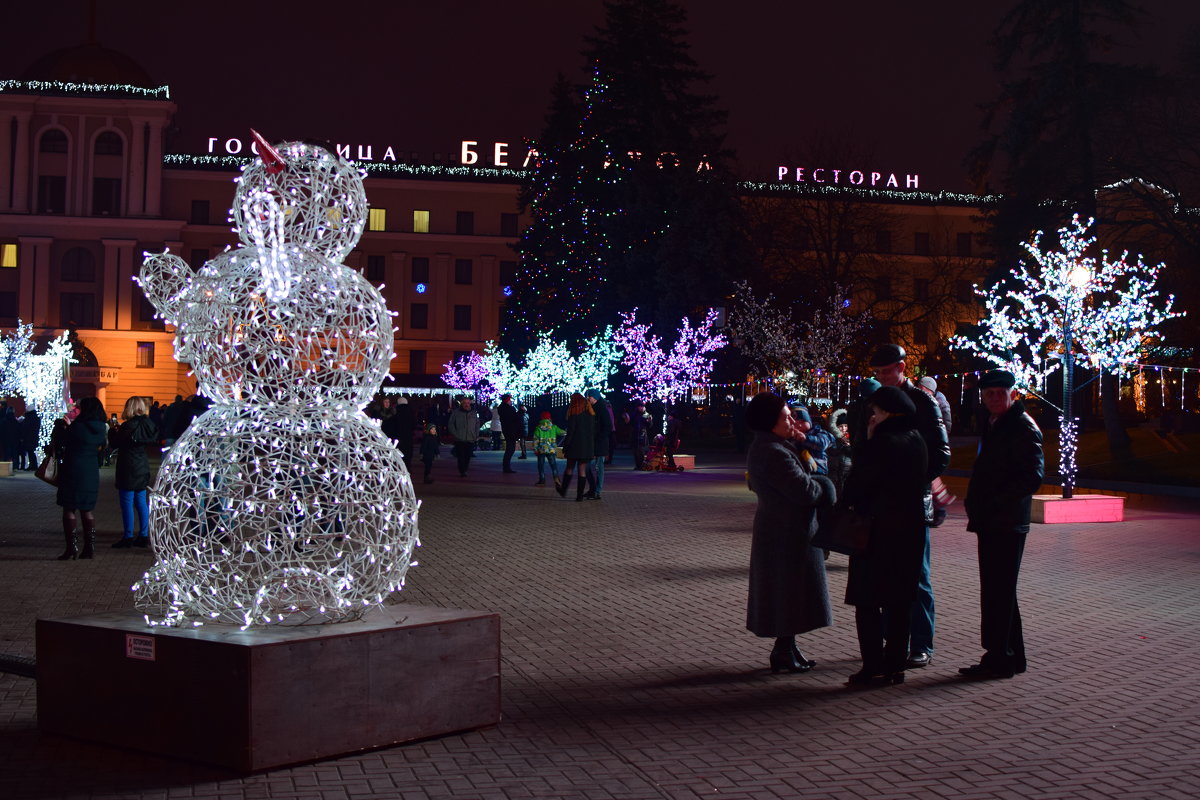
(329, 339)
(321, 195)
(265, 516)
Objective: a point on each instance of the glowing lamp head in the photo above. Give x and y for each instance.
(1079, 276)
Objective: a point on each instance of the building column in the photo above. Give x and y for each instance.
(34, 297)
(117, 313)
(154, 170)
(439, 289)
(20, 176)
(136, 175)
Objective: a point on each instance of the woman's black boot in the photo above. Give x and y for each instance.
(783, 656)
(562, 487)
(580, 489)
(89, 544)
(72, 550)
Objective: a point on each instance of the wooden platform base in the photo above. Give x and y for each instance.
(685, 461)
(263, 698)
(1051, 508)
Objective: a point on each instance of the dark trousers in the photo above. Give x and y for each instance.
(1003, 641)
(462, 451)
(883, 636)
(510, 445)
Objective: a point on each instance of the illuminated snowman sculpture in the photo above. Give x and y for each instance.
(283, 503)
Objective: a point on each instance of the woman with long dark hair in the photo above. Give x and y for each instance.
(79, 447)
(788, 593)
(579, 448)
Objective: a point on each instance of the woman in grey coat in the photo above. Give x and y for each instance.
(788, 594)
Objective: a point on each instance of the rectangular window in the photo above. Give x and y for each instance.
(377, 219)
(462, 271)
(845, 241)
(199, 257)
(921, 244)
(883, 288)
(146, 314)
(462, 318)
(420, 269)
(106, 197)
(508, 225)
(964, 292)
(418, 316)
(376, 266)
(8, 306)
(920, 288)
(78, 309)
(883, 241)
(920, 333)
(464, 222)
(460, 354)
(420, 222)
(8, 256)
(199, 212)
(145, 355)
(964, 245)
(52, 194)
(416, 362)
(508, 273)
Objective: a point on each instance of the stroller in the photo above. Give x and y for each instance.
(656, 457)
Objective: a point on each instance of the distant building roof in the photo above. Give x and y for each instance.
(88, 63)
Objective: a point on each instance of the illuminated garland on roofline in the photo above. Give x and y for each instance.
(159, 93)
(371, 167)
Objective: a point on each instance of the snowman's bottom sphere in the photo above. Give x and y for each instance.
(274, 516)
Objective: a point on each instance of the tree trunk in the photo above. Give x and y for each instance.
(1120, 446)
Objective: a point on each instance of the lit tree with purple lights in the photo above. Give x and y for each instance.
(667, 375)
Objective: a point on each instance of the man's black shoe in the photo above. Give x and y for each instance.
(919, 660)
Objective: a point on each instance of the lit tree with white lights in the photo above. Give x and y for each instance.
(1068, 308)
(667, 375)
(39, 379)
(549, 367)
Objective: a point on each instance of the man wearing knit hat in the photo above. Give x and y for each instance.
(1008, 470)
(889, 364)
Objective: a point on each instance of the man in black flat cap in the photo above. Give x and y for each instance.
(888, 364)
(1008, 470)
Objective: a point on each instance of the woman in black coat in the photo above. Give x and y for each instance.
(579, 446)
(788, 593)
(887, 483)
(133, 470)
(79, 447)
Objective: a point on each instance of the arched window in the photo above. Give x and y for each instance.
(79, 265)
(53, 141)
(109, 144)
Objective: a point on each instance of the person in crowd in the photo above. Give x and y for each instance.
(31, 426)
(429, 449)
(545, 444)
(523, 417)
(604, 434)
(398, 426)
(129, 442)
(930, 387)
(464, 428)
(672, 437)
(510, 427)
(788, 595)
(941, 495)
(888, 484)
(78, 446)
(840, 455)
(857, 414)
(156, 415)
(173, 423)
(1009, 469)
(494, 429)
(579, 448)
(817, 441)
(889, 364)
(10, 431)
(639, 433)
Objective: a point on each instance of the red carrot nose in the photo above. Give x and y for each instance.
(269, 155)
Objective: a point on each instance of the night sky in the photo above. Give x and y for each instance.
(897, 84)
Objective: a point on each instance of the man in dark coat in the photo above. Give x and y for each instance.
(31, 427)
(888, 363)
(1008, 470)
(605, 427)
(639, 433)
(463, 425)
(399, 428)
(510, 426)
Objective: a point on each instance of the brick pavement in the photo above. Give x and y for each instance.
(627, 672)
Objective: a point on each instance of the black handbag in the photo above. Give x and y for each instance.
(846, 531)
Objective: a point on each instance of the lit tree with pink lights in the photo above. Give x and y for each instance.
(667, 374)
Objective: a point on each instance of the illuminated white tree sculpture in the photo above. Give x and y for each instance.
(39, 379)
(1064, 309)
(549, 367)
(283, 503)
